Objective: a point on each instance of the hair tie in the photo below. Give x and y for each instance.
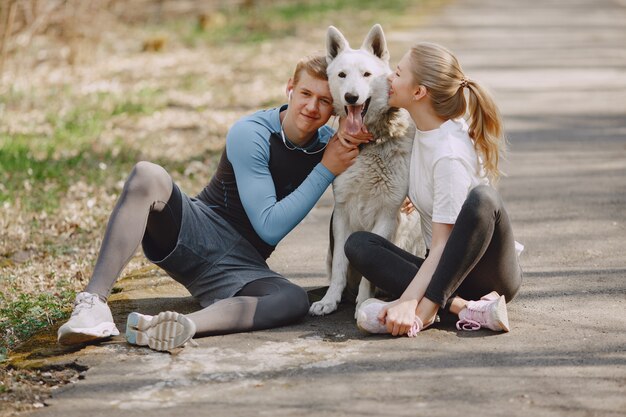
(464, 82)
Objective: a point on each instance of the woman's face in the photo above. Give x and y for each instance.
(402, 86)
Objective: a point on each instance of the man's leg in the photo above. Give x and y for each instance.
(261, 304)
(147, 190)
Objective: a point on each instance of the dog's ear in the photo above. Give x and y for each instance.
(335, 43)
(375, 43)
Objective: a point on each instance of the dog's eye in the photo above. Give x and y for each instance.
(342, 74)
(366, 74)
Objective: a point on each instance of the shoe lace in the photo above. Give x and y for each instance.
(84, 302)
(474, 317)
(416, 327)
(467, 324)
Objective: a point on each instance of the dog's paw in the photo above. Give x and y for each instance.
(322, 307)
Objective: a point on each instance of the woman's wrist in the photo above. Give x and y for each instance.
(404, 299)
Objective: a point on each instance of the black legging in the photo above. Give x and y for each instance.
(479, 256)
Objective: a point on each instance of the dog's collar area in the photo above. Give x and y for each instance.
(371, 143)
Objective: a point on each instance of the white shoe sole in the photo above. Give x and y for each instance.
(501, 315)
(74, 336)
(165, 331)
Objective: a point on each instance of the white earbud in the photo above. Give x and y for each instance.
(290, 91)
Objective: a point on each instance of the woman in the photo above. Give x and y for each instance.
(471, 253)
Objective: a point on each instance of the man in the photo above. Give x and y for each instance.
(276, 165)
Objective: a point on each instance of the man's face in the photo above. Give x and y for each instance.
(310, 105)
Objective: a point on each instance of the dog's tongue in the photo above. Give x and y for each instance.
(354, 121)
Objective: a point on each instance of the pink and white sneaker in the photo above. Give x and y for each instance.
(489, 312)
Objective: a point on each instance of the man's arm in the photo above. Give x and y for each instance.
(248, 152)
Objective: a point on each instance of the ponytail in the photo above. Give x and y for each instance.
(439, 71)
(486, 128)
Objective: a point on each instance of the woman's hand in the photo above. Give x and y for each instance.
(407, 206)
(398, 316)
(352, 141)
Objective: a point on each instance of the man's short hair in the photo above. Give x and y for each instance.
(314, 65)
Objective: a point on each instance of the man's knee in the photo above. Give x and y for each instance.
(147, 179)
(291, 304)
(300, 300)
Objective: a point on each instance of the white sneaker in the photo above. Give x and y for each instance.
(367, 319)
(165, 331)
(91, 320)
(367, 316)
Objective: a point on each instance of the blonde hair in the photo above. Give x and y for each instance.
(314, 65)
(436, 68)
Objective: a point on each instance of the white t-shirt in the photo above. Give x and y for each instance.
(444, 169)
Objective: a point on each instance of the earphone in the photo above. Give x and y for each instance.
(290, 91)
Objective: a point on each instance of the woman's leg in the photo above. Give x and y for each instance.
(381, 262)
(147, 191)
(479, 256)
(261, 304)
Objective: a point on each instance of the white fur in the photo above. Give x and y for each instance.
(368, 195)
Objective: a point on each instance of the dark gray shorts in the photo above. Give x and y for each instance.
(211, 259)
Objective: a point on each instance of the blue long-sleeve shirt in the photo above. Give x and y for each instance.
(263, 188)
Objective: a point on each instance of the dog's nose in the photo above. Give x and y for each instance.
(351, 98)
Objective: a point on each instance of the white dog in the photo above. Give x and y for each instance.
(368, 195)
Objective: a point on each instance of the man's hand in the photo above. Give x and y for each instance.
(337, 158)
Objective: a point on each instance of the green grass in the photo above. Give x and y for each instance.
(274, 21)
(310, 10)
(40, 177)
(39, 168)
(23, 315)
(146, 101)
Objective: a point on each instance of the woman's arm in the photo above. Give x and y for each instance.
(400, 315)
